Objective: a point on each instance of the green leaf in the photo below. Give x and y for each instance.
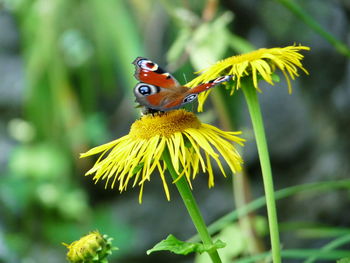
(138, 168)
(344, 260)
(239, 44)
(210, 41)
(236, 242)
(275, 77)
(179, 45)
(187, 143)
(176, 246)
(310, 188)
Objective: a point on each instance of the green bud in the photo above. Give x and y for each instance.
(92, 248)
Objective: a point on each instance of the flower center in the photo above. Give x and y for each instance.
(164, 124)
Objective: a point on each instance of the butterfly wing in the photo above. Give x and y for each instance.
(149, 72)
(190, 95)
(210, 84)
(159, 98)
(158, 90)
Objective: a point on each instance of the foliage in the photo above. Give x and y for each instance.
(174, 245)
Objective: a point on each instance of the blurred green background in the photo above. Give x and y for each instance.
(66, 83)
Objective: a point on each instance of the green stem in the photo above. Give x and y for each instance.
(259, 131)
(246, 221)
(331, 246)
(299, 12)
(240, 182)
(298, 254)
(318, 188)
(192, 207)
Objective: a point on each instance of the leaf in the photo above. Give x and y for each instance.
(236, 241)
(179, 45)
(187, 143)
(235, 244)
(138, 168)
(210, 41)
(344, 260)
(176, 246)
(275, 77)
(239, 44)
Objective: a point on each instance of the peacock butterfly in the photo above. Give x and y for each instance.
(160, 91)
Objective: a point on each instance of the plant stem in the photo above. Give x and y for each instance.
(298, 254)
(313, 24)
(240, 183)
(241, 190)
(316, 188)
(259, 132)
(345, 239)
(192, 207)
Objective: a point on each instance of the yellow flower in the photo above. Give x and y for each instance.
(90, 248)
(260, 63)
(192, 146)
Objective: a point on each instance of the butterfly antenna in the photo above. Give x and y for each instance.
(184, 77)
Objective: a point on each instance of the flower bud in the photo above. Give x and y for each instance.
(92, 248)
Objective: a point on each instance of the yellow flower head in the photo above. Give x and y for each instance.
(260, 63)
(90, 248)
(192, 146)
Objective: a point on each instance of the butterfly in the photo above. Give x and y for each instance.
(160, 91)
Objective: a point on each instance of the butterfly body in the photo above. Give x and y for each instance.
(160, 91)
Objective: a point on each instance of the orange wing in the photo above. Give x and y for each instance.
(158, 90)
(149, 72)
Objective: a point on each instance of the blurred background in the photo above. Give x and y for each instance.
(66, 82)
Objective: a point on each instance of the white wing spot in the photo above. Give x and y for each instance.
(222, 79)
(189, 98)
(147, 65)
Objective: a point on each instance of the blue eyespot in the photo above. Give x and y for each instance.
(144, 90)
(190, 98)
